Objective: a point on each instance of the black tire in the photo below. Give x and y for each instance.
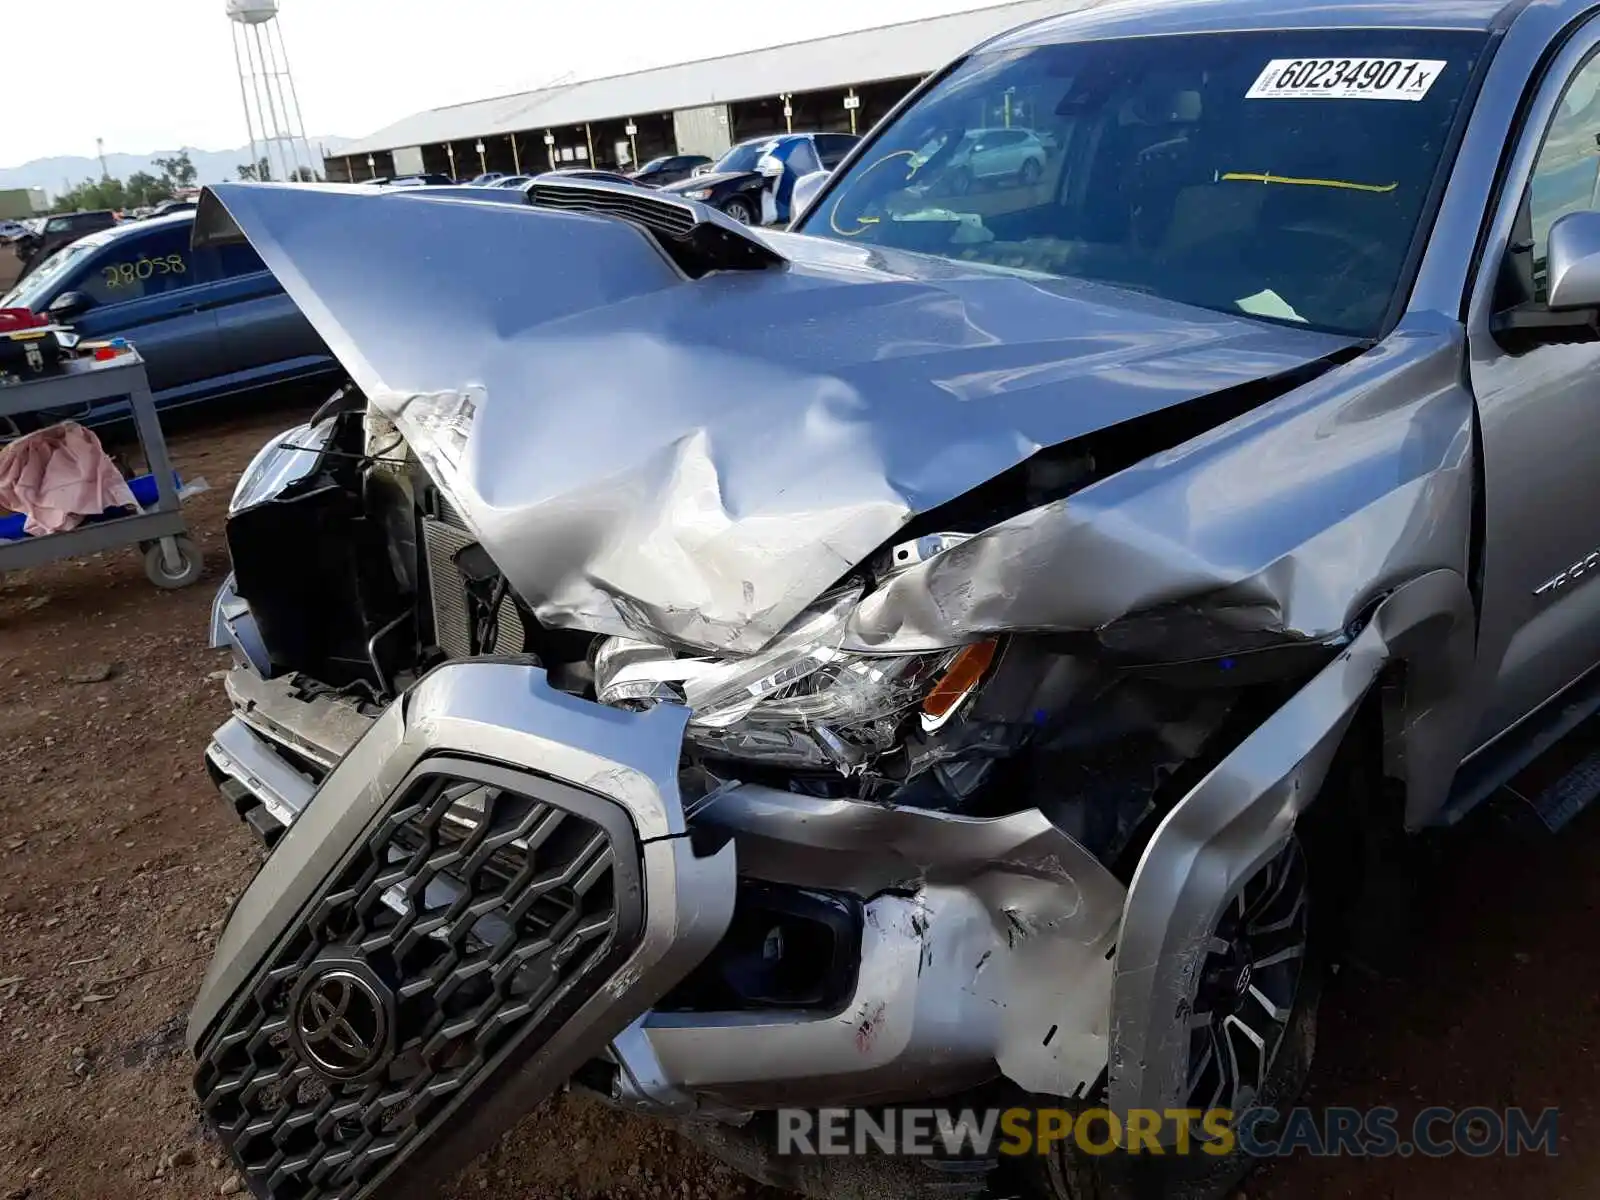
(1030, 172)
(960, 181)
(740, 210)
(191, 564)
(1067, 1174)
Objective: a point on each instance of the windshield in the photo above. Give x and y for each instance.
(744, 157)
(33, 291)
(1280, 174)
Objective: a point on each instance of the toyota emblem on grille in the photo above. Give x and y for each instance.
(343, 1020)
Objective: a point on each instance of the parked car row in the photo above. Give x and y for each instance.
(753, 182)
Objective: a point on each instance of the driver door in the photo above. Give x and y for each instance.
(151, 288)
(1539, 408)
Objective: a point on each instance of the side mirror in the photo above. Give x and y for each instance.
(1573, 263)
(769, 167)
(1570, 311)
(806, 189)
(68, 305)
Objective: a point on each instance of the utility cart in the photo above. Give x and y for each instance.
(171, 559)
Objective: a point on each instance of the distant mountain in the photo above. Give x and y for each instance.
(214, 166)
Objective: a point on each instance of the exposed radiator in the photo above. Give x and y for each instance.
(443, 538)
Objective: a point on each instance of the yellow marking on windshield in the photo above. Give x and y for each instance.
(1343, 184)
(863, 222)
(858, 231)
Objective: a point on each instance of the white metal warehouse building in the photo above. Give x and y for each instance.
(840, 83)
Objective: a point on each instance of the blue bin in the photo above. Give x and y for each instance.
(143, 487)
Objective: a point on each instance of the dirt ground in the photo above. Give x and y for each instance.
(117, 862)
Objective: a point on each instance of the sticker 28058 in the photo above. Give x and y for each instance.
(1346, 79)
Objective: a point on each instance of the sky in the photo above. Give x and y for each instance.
(164, 76)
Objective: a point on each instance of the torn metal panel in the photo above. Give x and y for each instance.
(1244, 811)
(774, 428)
(1027, 915)
(1288, 519)
(950, 992)
(320, 728)
(866, 848)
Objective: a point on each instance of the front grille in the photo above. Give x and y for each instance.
(479, 914)
(675, 219)
(444, 537)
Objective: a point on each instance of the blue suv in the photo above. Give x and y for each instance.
(209, 322)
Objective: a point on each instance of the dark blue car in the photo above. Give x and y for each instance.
(754, 181)
(209, 322)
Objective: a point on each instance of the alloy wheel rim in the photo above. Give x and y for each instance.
(1249, 983)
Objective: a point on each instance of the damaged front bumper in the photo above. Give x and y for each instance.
(499, 962)
(973, 949)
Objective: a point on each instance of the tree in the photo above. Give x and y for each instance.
(144, 189)
(262, 172)
(177, 171)
(141, 189)
(94, 194)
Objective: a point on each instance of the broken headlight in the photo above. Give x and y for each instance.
(287, 458)
(801, 702)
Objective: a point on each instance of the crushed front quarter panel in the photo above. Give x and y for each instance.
(1293, 519)
(1289, 518)
(1236, 818)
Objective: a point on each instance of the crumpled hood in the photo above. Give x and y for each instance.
(705, 457)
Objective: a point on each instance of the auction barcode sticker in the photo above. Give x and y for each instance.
(1346, 79)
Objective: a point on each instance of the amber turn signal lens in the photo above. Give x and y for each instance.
(961, 677)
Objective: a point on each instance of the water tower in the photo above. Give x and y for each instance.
(271, 105)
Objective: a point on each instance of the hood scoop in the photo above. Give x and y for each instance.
(699, 240)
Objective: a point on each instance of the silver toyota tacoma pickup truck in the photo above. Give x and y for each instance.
(974, 645)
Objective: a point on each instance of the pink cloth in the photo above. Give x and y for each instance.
(58, 476)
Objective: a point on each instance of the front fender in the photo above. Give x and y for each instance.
(1242, 813)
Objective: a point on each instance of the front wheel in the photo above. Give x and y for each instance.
(1031, 170)
(1252, 1031)
(740, 210)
